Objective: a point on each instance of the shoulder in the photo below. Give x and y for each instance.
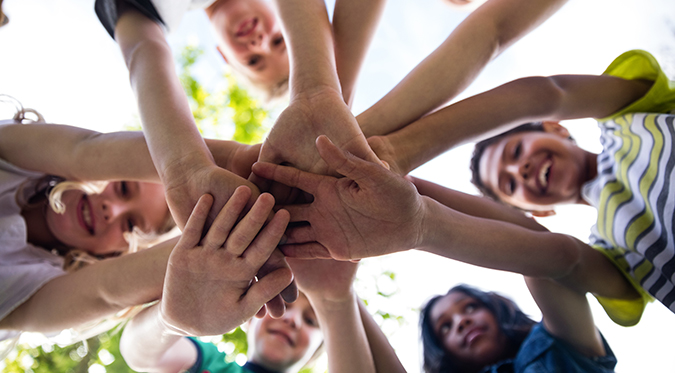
(639, 64)
(542, 352)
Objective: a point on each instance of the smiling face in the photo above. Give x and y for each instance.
(536, 170)
(96, 223)
(279, 344)
(250, 39)
(468, 331)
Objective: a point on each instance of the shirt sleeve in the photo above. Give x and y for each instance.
(639, 64)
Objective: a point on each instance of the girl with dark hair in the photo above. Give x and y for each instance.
(469, 330)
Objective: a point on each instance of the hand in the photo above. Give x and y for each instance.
(324, 279)
(384, 150)
(187, 182)
(239, 160)
(210, 286)
(292, 139)
(370, 212)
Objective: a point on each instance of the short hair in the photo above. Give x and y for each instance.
(515, 325)
(479, 150)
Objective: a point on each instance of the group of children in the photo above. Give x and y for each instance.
(66, 234)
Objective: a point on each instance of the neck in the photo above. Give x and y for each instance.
(591, 172)
(211, 9)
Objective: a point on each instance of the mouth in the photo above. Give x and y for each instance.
(246, 27)
(544, 174)
(283, 336)
(472, 334)
(84, 215)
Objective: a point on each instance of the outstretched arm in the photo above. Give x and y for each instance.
(209, 287)
(316, 105)
(482, 36)
(567, 315)
(523, 100)
(328, 286)
(182, 159)
(80, 154)
(373, 211)
(386, 360)
(354, 24)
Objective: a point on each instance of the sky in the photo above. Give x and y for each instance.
(57, 58)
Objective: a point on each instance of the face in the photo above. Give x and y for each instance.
(468, 331)
(535, 170)
(279, 344)
(96, 223)
(251, 40)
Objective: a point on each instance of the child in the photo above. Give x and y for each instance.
(468, 330)
(38, 294)
(207, 288)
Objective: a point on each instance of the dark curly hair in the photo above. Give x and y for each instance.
(512, 322)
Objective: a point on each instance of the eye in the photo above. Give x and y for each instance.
(311, 321)
(124, 188)
(471, 307)
(278, 40)
(129, 225)
(517, 150)
(253, 60)
(444, 328)
(511, 186)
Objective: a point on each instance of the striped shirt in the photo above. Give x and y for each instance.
(632, 191)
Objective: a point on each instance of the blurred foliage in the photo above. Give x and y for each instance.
(226, 113)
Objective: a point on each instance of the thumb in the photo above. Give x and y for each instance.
(347, 164)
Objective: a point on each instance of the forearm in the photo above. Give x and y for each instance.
(475, 206)
(310, 45)
(384, 356)
(168, 123)
(483, 35)
(354, 24)
(148, 345)
(495, 244)
(93, 292)
(344, 335)
(76, 153)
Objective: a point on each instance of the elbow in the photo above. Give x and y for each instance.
(546, 94)
(566, 256)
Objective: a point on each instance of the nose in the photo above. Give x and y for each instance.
(522, 169)
(463, 322)
(258, 41)
(293, 318)
(112, 209)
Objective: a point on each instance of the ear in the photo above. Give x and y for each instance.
(555, 128)
(542, 214)
(222, 54)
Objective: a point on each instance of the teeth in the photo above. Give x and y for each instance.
(543, 172)
(86, 215)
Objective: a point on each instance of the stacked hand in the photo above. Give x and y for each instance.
(369, 212)
(292, 139)
(210, 285)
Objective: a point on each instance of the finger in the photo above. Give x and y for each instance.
(276, 307)
(346, 164)
(290, 294)
(298, 212)
(266, 291)
(290, 176)
(312, 250)
(300, 234)
(259, 251)
(248, 228)
(262, 183)
(226, 219)
(192, 232)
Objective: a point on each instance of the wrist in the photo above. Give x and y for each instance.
(332, 304)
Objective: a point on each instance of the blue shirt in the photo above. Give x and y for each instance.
(543, 353)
